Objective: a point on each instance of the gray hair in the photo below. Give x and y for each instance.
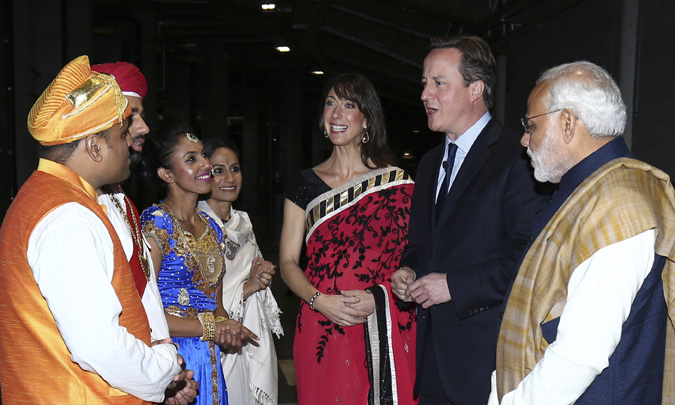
(590, 93)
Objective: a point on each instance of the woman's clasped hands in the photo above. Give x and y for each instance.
(261, 273)
(349, 308)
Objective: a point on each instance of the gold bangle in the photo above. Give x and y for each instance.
(208, 326)
(221, 318)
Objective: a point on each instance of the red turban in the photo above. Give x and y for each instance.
(128, 76)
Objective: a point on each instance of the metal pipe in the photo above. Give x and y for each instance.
(10, 101)
(630, 13)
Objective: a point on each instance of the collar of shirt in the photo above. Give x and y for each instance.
(464, 143)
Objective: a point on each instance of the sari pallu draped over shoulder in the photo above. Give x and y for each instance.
(622, 199)
(356, 234)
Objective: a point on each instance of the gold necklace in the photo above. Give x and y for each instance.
(207, 271)
(136, 235)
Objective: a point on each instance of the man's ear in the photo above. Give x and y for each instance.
(165, 175)
(569, 124)
(93, 148)
(477, 88)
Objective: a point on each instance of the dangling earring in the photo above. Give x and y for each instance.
(365, 137)
(325, 134)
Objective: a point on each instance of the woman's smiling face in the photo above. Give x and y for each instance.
(344, 122)
(227, 177)
(191, 170)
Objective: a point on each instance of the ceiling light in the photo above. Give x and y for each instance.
(317, 72)
(283, 48)
(268, 6)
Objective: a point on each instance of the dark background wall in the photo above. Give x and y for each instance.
(271, 111)
(654, 103)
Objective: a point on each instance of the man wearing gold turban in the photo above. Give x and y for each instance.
(73, 328)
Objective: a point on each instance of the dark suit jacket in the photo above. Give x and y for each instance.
(478, 241)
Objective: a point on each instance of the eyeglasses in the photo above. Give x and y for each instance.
(530, 127)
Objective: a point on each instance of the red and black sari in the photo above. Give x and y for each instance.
(355, 237)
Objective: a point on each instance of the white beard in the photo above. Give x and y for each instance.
(550, 163)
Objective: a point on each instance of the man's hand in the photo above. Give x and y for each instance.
(183, 388)
(164, 341)
(429, 290)
(400, 281)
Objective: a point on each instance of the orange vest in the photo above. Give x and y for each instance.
(35, 364)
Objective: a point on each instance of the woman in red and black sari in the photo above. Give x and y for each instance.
(354, 342)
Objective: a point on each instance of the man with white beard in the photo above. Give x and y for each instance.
(586, 320)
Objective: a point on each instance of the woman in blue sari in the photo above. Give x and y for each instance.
(187, 252)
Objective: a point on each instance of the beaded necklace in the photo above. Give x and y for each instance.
(207, 270)
(136, 235)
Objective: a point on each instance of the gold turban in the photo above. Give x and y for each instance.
(79, 102)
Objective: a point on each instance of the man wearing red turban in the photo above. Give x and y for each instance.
(135, 88)
(121, 210)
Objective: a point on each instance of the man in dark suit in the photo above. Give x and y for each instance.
(472, 209)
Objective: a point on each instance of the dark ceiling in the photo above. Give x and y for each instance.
(386, 40)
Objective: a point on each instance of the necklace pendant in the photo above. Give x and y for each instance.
(211, 264)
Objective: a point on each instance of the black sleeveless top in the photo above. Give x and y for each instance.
(305, 187)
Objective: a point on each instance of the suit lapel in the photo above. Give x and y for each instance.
(473, 161)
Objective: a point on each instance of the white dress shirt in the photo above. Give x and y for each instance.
(71, 254)
(464, 143)
(600, 294)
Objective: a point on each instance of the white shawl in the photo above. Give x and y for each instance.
(255, 367)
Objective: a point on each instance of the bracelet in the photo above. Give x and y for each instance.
(208, 325)
(311, 300)
(221, 318)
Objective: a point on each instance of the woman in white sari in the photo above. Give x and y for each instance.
(251, 374)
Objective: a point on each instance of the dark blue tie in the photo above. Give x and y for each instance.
(447, 167)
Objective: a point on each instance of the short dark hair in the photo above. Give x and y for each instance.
(58, 153)
(61, 153)
(477, 63)
(158, 147)
(359, 90)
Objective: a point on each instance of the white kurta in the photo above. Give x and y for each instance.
(251, 375)
(588, 332)
(152, 301)
(71, 254)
